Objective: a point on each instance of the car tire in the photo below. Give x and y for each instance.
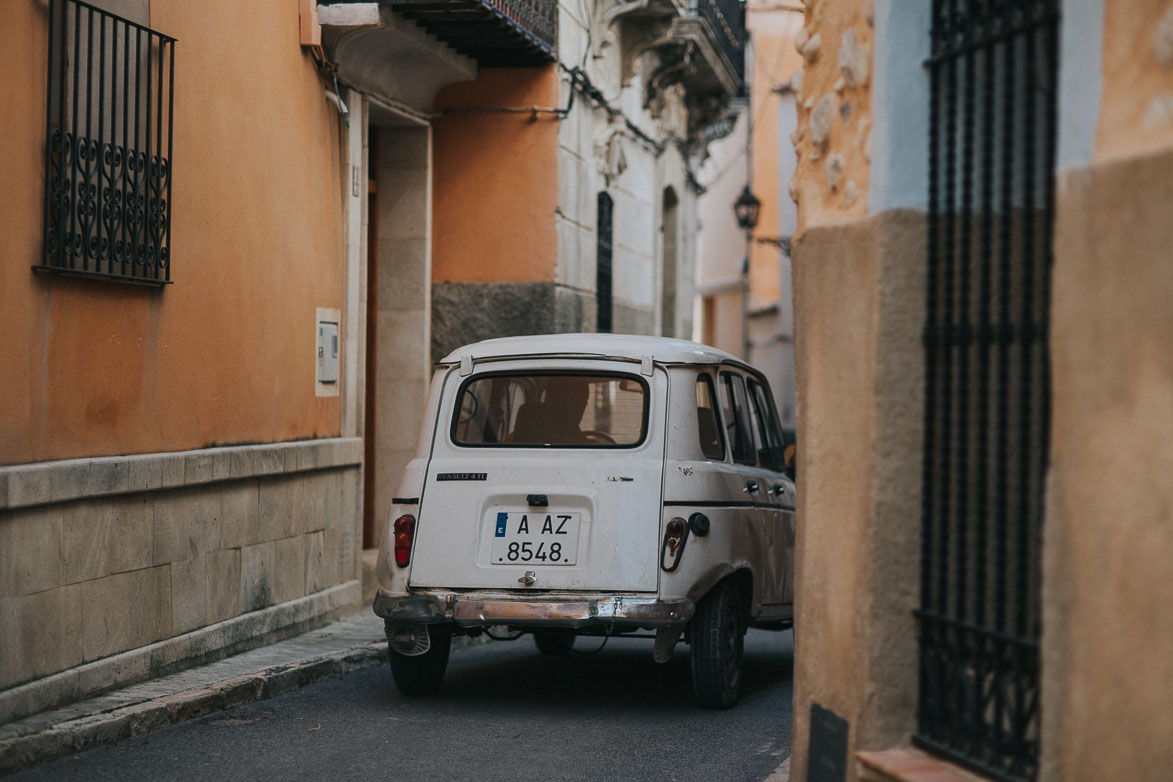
(421, 674)
(717, 648)
(553, 643)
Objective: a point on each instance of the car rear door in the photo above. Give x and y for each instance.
(499, 503)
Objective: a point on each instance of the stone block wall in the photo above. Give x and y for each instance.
(101, 557)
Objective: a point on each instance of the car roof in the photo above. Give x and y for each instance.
(633, 347)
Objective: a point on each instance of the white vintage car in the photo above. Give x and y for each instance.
(591, 484)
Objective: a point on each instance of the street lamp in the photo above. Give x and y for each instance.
(746, 207)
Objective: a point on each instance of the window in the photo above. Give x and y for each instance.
(734, 411)
(108, 147)
(767, 438)
(992, 103)
(564, 409)
(603, 266)
(669, 262)
(708, 429)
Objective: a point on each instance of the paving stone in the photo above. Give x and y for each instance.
(29, 486)
(144, 473)
(131, 526)
(30, 550)
(42, 634)
(198, 468)
(270, 461)
(315, 562)
(186, 524)
(105, 536)
(222, 464)
(223, 584)
(240, 514)
(256, 576)
(243, 463)
(70, 479)
(107, 476)
(289, 569)
(189, 604)
(125, 610)
(276, 506)
(171, 469)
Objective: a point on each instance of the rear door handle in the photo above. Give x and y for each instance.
(751, 487)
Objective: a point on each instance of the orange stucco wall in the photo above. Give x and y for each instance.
(495, 187)
(775, 58)
(835, 116)
(1136, 109)
(226, 353)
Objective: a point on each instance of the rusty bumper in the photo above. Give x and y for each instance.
(555, 611)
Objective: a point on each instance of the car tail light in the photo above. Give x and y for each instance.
(404, 532)
(675, 536)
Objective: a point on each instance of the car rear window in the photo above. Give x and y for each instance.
(556, 409)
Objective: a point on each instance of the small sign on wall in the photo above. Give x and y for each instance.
(827, 756)
(327, 352)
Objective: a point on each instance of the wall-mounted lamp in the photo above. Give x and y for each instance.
(747, 207)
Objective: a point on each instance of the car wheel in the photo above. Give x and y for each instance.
(421, 674)
(717, 648)
(556, 644)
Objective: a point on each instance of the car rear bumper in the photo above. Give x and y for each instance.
(555, 611)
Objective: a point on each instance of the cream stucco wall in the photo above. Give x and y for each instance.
(859, 297)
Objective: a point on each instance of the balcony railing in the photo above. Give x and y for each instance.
(726, 21)
(495, 33)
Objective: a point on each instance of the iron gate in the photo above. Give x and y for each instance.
(993, 81)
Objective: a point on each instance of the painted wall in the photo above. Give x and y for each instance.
(227, 353)
(833, 137)
(1136, 110)
(859, 299)
(495, 179)
(1108, 557)
(772, 61)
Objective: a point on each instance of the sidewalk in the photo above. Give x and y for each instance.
(332, 651)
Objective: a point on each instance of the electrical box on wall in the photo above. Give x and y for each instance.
(328, 350)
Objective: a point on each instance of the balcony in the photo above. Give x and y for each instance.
(493, 33)
(698, 44)
(724, 21)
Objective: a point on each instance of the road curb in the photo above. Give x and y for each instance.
(23, 752)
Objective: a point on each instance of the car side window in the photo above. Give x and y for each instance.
(708, 428)
(769, 436)
(733, 409)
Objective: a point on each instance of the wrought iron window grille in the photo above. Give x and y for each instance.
(992, 133)
(108, 144)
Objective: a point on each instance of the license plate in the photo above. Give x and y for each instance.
(529, 538)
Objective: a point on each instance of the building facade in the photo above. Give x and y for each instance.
(746, 308)
(237, 238)
(981, 282)
(180, 479)
(530, 169)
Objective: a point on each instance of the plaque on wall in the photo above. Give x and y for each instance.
(827, 755)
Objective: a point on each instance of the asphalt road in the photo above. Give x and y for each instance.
(505, 712)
